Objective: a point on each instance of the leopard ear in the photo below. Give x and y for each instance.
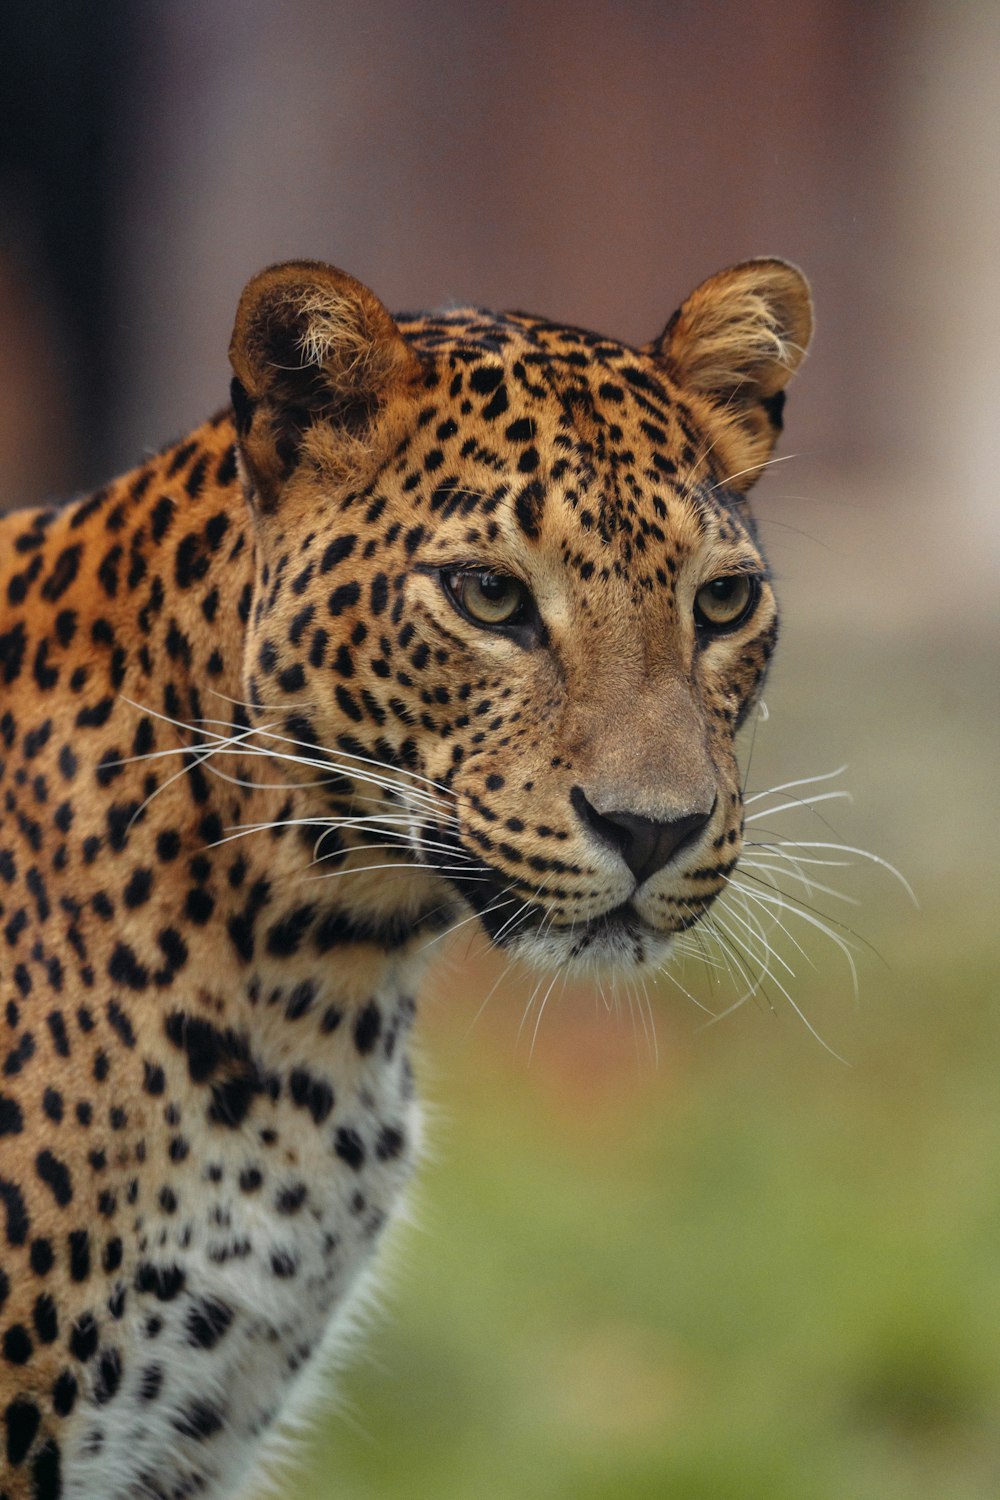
(316, 358)
(735, 343)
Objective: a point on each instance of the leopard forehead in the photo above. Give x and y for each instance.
(537, 433)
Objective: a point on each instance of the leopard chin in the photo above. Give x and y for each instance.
(617, 943)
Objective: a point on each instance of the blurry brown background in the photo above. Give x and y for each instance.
(593, 162)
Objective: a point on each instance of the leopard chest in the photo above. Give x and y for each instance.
(249, 1252)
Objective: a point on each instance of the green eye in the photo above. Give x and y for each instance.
(489, 598)
(725, 603)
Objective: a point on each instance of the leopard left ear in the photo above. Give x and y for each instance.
(735, 343)
(316, 358)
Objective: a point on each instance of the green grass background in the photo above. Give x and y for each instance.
(744, 1271)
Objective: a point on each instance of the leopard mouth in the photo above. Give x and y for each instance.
(622, 921)
(522, 924)
(619, 938)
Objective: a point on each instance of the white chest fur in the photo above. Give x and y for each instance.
(251, 1255)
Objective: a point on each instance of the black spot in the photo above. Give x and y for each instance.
(343, 597)
(191, 562)
(313, 1094)
(196, 476)
(125, 968)
(528, 509)
(46, 1479)
(83, 1337)
(64, 1393)
(108, 1377)
(231, 1100)
(137, 889)
(121, 1024)
(164, 1282)
(286, 936)
(379, 593)
(367, 1028)
(150, 1382)
(207, 1321)
(300, 1001)
(12, 648)
(153, 1080)
(22, 1419)
(486, 379)
(497, 405)
(336, 552)
(41, 1257)
(45, 1319)
(200, 1420)
(174, 950)
(204, 1045)
(17, 1345)
(292, 679)
(168, 845)
(57, 1026)
(350, 1147)
(11, 1118)
(66, 567)
(95, 715)
(390, 1143)
(55, 1174)
(199, 905)
(79, 1254)
(291, 1199)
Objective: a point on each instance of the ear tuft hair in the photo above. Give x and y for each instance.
(311, 347)
(741, 334)
(736, 342)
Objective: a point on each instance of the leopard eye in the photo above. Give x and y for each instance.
(489, 598)
(725, 603)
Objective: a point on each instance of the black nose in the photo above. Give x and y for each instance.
(643, 843)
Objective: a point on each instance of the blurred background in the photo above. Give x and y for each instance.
(716, 1263)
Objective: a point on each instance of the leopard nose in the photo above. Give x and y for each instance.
(645, 844)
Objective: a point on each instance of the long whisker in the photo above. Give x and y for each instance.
(787, 786)
(796, 803)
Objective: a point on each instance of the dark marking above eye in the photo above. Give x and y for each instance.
(528, 509)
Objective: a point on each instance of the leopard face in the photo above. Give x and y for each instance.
(511, 564)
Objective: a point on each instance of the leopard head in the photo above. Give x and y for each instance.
(509, 591)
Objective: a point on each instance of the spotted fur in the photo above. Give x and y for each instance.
(254, 749)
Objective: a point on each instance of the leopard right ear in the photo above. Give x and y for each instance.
(734, 344)
(316, 358)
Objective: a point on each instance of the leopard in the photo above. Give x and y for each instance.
(445, 617)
